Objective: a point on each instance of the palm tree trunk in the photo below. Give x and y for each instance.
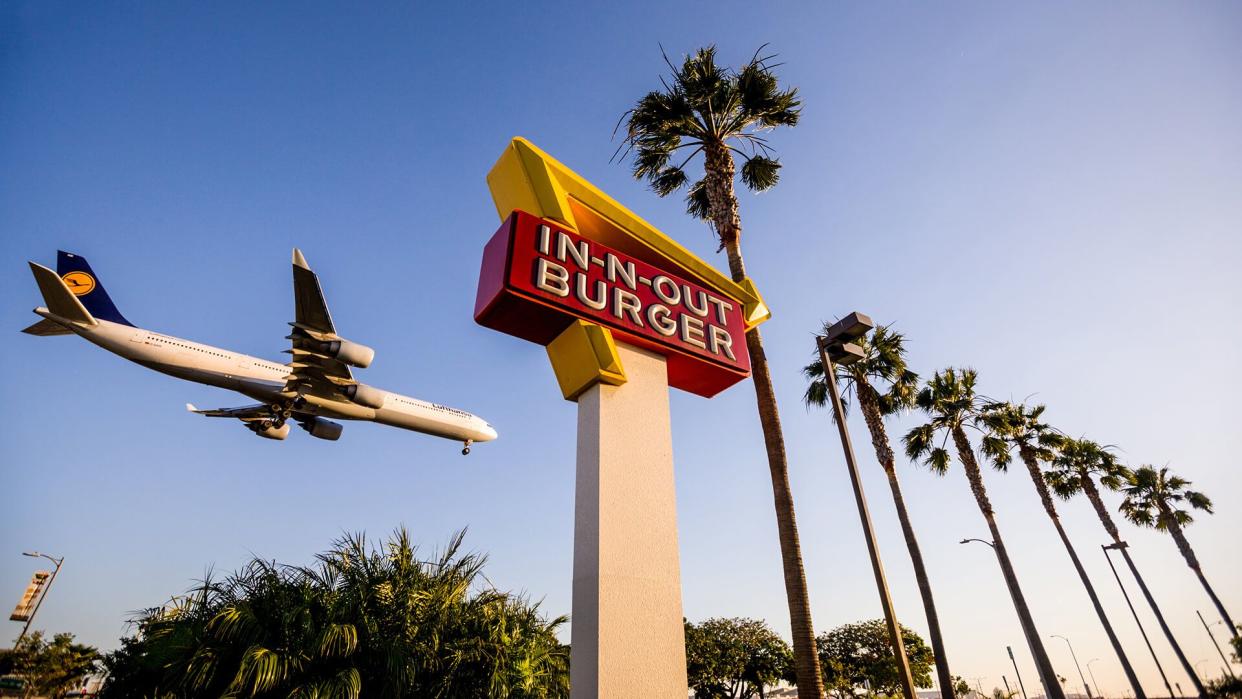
(1047, 675)
(869, 403)
(1041, 486)
(1093, 494)
(1183, 545)
(719, 176)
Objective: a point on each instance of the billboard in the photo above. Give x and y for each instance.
(538, 275)
(30, 598)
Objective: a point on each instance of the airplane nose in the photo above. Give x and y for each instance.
(490, 432)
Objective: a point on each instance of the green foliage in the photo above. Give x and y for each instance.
(950, 402)
(1153, 498)
(1078, 461)
(705, 106)
(1010, 426)
(1236, 642)
(883, 367)
(1225, 687)
(854, 654)
(49, 668)
(363, 621)
(735, 658)
(961, 687)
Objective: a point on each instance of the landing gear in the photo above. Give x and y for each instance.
(466, 450)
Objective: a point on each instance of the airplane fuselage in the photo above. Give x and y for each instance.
(265, 380)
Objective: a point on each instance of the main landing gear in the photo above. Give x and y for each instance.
(280, 412)
(466, 450)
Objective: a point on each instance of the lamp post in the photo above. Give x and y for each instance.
(47, 589)
(1124, 548)
(1027, 632)
(1098, 693)
(1075, 657)
(1015, 670)
(837, 344)
(1142, 631)
(1213, 637)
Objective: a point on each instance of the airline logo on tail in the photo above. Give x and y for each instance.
(80, 283)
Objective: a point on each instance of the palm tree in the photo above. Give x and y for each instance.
(884, 364)
(1019, 427)
(1155, 499)
(362, 622)
(707, 109)
(950, 401)
(1075, 469)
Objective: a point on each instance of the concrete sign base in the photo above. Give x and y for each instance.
(627, 635)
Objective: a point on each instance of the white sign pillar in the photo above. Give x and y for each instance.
(627, 636)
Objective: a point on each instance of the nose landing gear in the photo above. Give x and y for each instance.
(466, 449)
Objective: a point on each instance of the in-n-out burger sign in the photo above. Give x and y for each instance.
(537, 277)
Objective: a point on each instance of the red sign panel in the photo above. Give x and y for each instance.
(537, 277)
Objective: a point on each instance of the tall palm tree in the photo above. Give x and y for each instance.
(1156, 499)
(883, 364)
(1021, 428)
(720, 113)
(1074, 470)
(950, 401)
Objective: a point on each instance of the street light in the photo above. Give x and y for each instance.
(1212, 636)
(1050, 689)
(47, 589)
(1098, 693)
(1075, 657)
(837, 345)
(1014, 661)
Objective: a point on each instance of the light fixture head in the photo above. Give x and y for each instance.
(848, 329)
(843, 354)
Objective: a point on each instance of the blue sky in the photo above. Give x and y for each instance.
(1051, 194)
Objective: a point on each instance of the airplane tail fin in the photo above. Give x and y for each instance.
(86, 286)
(59, 299)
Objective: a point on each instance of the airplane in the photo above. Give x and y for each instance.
(315, 385)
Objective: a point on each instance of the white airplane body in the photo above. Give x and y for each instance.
(316, 385)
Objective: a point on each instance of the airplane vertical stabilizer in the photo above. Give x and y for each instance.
(77, 274)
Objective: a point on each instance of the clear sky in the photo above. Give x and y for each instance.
(1051, 194)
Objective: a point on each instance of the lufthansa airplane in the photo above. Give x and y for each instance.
(316, 385)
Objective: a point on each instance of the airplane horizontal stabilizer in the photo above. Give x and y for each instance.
(47, 328)
(59, 299)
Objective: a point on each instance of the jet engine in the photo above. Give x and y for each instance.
(322, 429)
(269, 432)
(350, 353)
(365, 395)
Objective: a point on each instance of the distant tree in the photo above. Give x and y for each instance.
(1236, 642)
(735, 658)
(1157, 499)
(856, 654)
(961, 687)
(1225, 688)
(50, 668)
(374, 622)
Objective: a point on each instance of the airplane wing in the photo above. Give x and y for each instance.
(248, 412)
(313, 368)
